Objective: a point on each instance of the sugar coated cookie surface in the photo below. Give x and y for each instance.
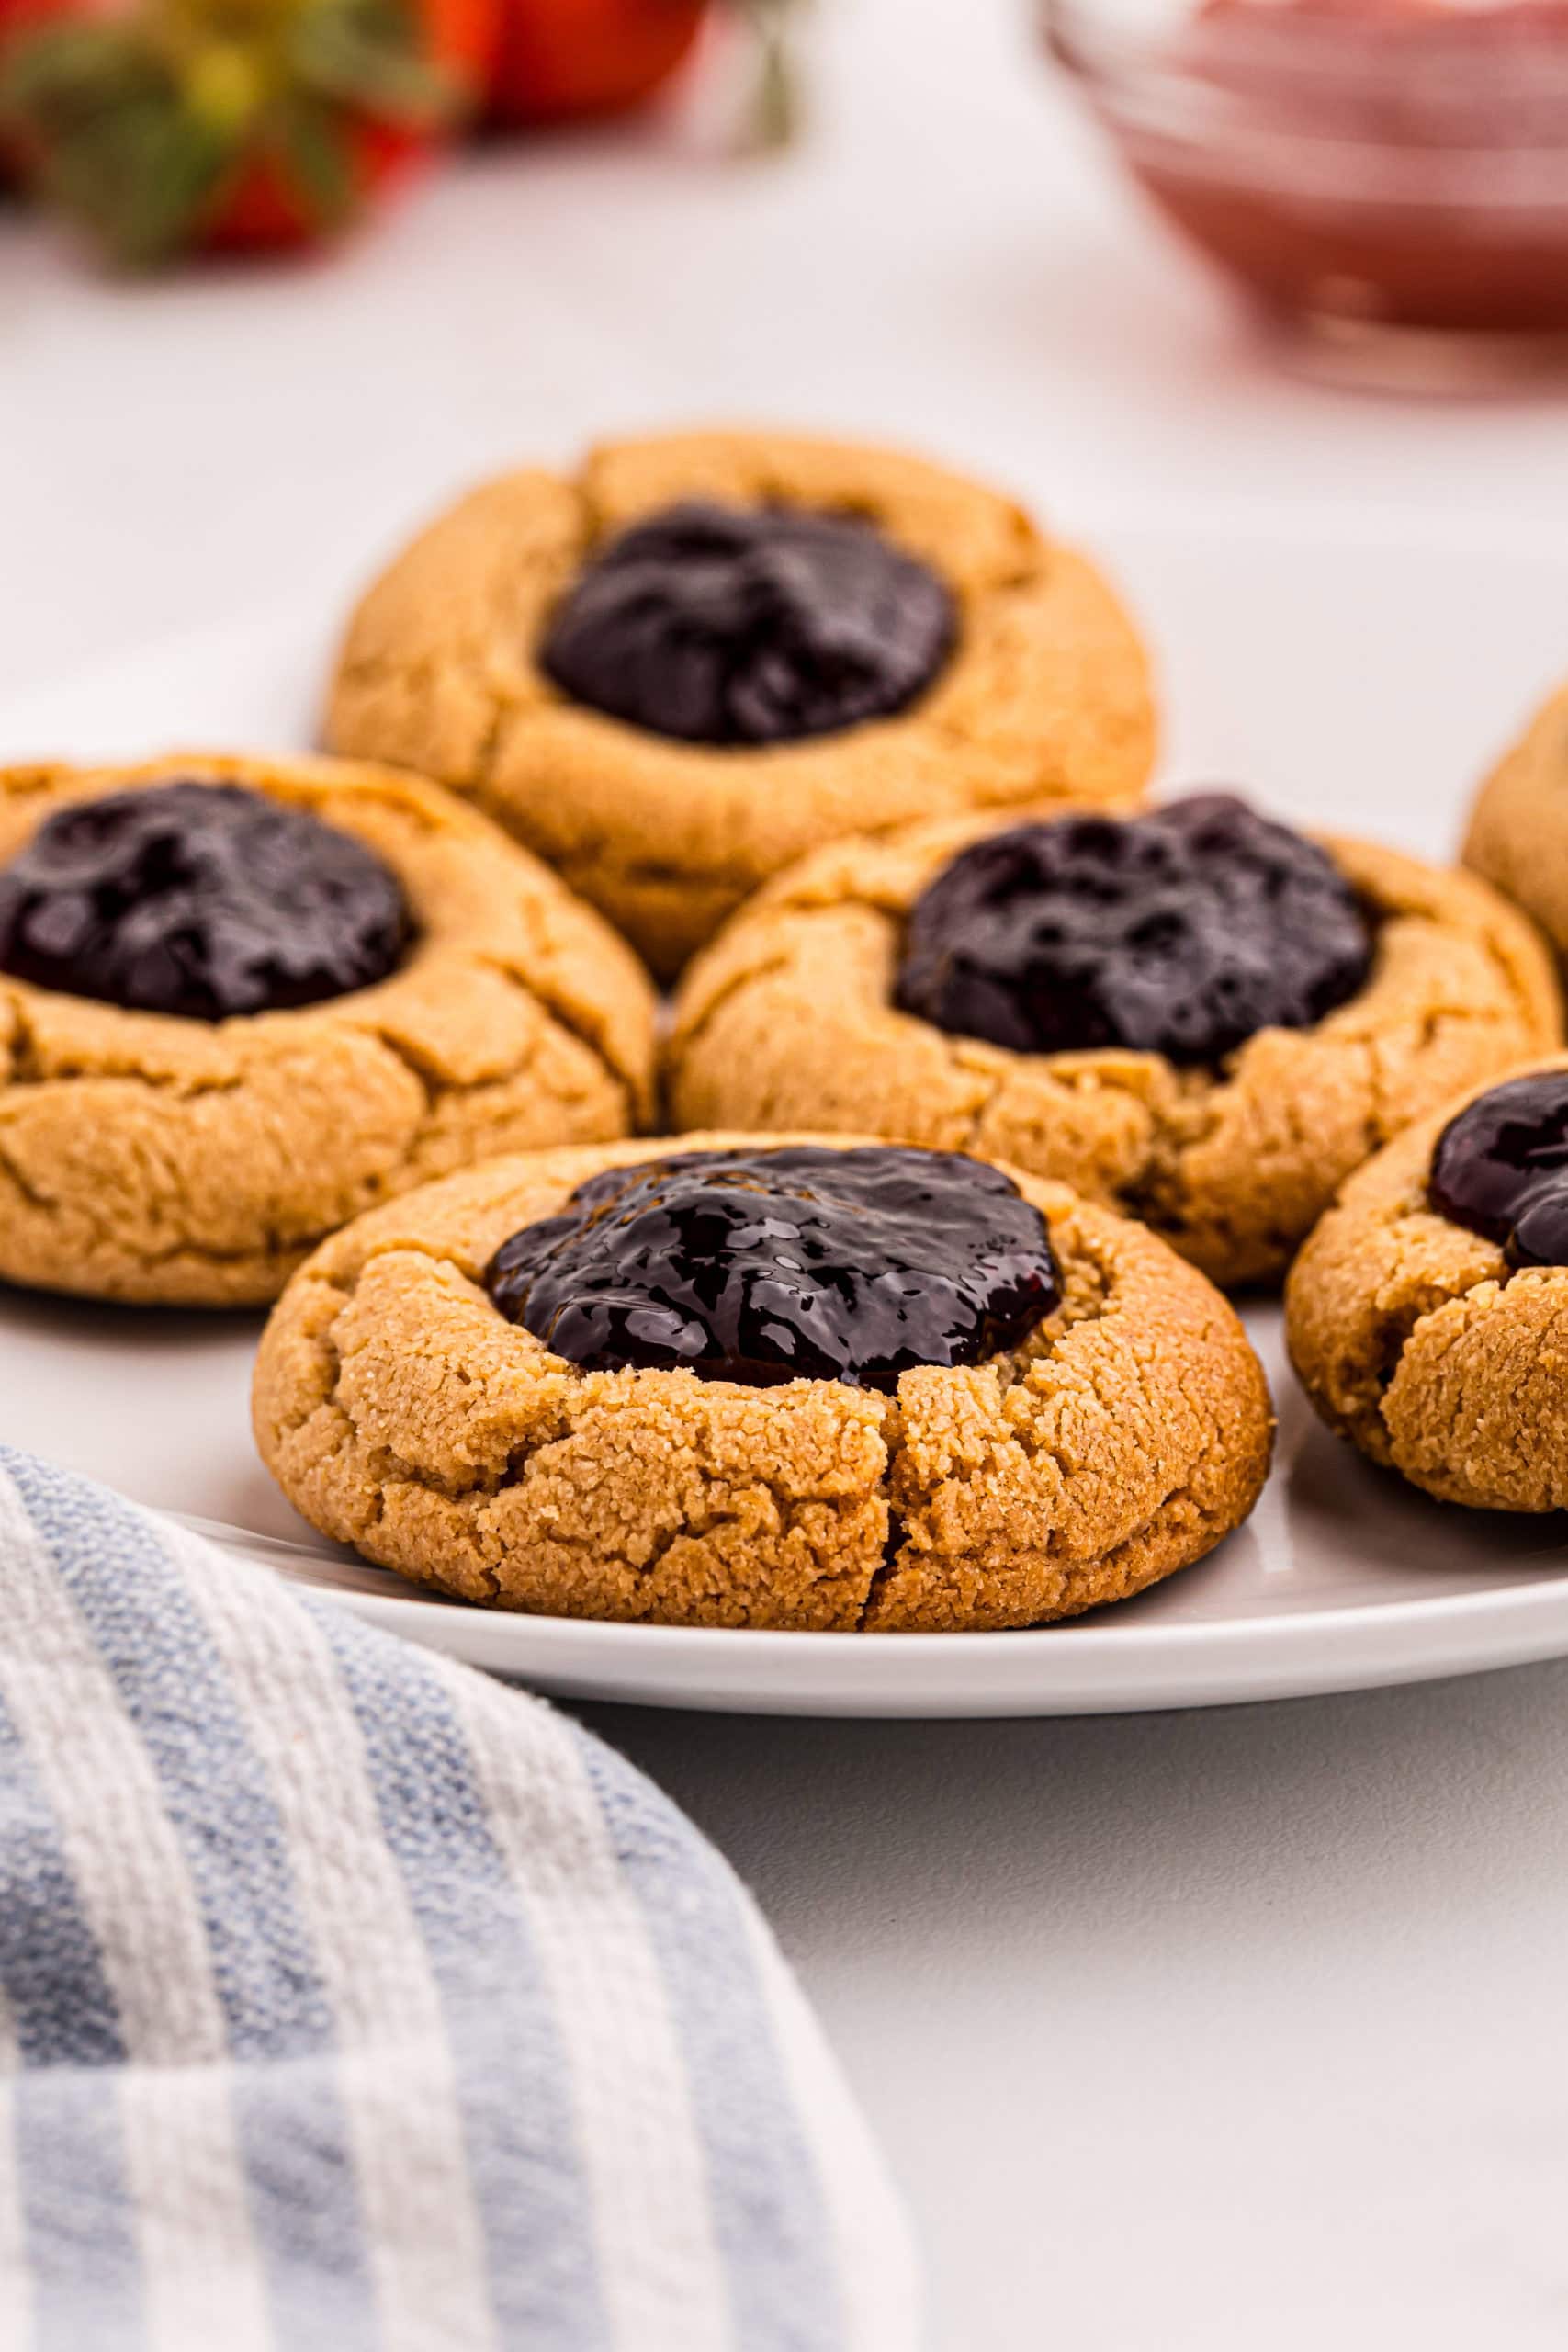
(1518, 826)
(1427, 1315)
(242, 1000)
(1110, 1428)
(677, 671)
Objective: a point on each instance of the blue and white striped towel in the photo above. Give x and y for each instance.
(352, 2003)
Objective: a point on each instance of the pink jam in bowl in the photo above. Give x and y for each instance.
(1374, 166)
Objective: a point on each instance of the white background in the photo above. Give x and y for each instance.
(1213, 2032)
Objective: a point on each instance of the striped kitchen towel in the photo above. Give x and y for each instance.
(350, 2002)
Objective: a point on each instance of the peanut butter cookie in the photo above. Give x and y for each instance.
(1427, 1315)
(242, 1000)
(677, 672)
(1518, 826)
(1196, 1016)
(772, 1381)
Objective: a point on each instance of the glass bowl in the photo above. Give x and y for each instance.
(1386, 180)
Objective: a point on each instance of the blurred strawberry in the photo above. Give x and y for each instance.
(14, 13)
(167, 126)
(562, 61)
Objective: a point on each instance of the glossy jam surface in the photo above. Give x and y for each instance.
(1180, 933)
(772, 1265)
(1501, 1168)
(735, 625)
(206, 900)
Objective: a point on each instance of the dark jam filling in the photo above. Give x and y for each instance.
(735, 625)
(202, 899)
(1182, 934)
(1501, 1168)
(766, 1266)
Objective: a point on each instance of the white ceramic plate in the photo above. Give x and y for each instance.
(1361, 686)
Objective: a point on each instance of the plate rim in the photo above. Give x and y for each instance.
(1114, 1668)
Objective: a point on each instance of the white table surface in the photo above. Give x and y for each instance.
(1216, 2030)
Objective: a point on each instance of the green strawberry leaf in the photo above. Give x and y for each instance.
(309, 142)
(772, 117)
(366, 53)
(66, 70)
(112, 142)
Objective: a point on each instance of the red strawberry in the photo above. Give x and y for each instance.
(164, 126)
(562, 59)
(558, 59)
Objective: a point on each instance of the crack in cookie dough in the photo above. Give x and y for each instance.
(1046, 694)
(24, 1063)
(400, 1413)
(1418, 1342)
(788, 1017)
(151, 1158)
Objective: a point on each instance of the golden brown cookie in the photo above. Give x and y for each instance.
(159, 1159)
(401, 1413)
(1046, 694)
(1518, 826)
(788, 1018)
(1418, 1339)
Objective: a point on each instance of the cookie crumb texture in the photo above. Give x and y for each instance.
(1046, 694)
(1416, 1340)
(157, 1160)
(789, 1015)
(401, 1414)
(1518, 828)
